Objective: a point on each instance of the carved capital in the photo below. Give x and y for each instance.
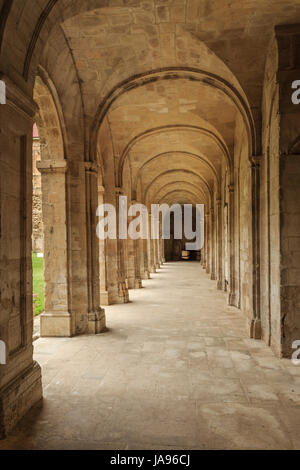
(52, 166)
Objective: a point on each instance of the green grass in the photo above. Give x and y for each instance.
(38, 284)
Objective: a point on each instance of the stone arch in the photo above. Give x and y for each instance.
(188, 172)
(188, 154)
(173, 73)
(56, 320)
(217, 139)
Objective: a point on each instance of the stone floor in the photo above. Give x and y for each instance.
(175, 370)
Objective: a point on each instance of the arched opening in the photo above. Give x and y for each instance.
(51, 164)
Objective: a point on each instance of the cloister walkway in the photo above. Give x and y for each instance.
(175, 370)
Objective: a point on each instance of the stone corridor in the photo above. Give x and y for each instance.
(176, 369)
(147, 103)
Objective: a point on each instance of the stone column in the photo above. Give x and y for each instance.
(232, 297)
(133, 262)
(287, 195)
(56, 320)
(161, 246)
(255, 325)
(207, 243)
(162, 251)
(121, 279)
(20, 378)
(156, 244)
(151, 255)
(213, 245)
(104, 293)
(143, 253)
(219, 244)
(144, 248)
(96, 315)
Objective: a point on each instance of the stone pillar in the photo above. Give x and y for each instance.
(151, 255)
(213, 245)
(288, 40)
(115, 274)
(156, 253)
(156, 243)
(143, 252)
(20, 378)
(145, 262)
(255, 325)
(104, 293)
(56, 320)
(96, 315)
(121, 279)
(232, 297)
(162, 251)
(133, 261)
(219, 244)
(161, 246)
(207, 243)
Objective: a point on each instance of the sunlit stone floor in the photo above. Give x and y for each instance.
(176, 370)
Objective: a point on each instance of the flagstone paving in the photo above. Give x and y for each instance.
(176, 370)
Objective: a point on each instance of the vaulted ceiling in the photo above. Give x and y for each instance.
(170, 78)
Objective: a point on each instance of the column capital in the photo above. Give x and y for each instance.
(52, 166)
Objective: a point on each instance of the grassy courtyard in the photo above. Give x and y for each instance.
(38, 284)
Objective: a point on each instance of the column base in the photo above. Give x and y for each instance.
(16, 398)
(56, 325)
(135, 284)
(97, 322)
(157, 266)
(138, 284)
(220, 285)
(153, 270)
(255, 329)
(213, 277)
(123, 292)
(232, 299)
(146, 275)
